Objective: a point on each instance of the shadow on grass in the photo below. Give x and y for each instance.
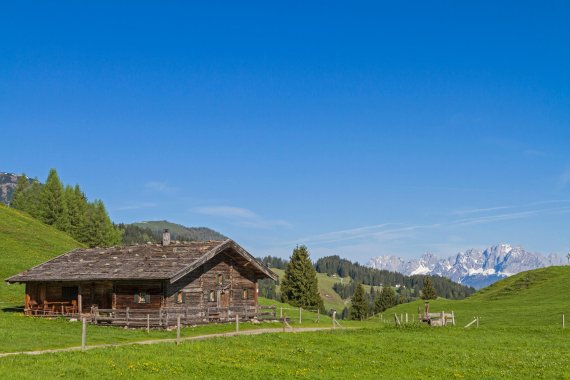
(13, 309)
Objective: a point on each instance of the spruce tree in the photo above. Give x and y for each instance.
(428, 291)
(76, 209)
(19, 200)
(299, 286)
(371, 299)
(386, 300)
(359, 306)
(99, 230)
(53, 206)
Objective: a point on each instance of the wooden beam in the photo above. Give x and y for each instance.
(79, 299)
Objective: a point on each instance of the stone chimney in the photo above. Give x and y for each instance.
(166, 237)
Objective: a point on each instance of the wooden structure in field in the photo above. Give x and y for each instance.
(435, 319)
(202, 281)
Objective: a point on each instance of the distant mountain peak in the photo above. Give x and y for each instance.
(473, 267)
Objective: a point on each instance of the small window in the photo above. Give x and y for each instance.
(220, 279)
(181, 297)
(212, 297)
(245, 294)
(142, 297)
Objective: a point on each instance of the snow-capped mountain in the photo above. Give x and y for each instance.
(473, 267)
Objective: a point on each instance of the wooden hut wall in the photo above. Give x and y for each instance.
(132, 295)
(198, 284)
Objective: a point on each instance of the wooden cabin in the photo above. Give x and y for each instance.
(206, 279)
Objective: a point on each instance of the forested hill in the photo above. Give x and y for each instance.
(334, 265)
(177, 232)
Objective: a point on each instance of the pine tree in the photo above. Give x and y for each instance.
(428, 291)
(19, 198)
(99, 230)
(359, 306)
(386, 300)
(345, 313)
(53, 206)
(76, 209)
(299, 286)
(371, 299)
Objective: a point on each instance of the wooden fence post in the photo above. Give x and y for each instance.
(300, 315)
(406, 317)
(477, 321)
(178, 329)
(334, 319)
(284, 322)
(127, 316)
(83, 334)
(281, 312)
(147, 323)
(237, 323)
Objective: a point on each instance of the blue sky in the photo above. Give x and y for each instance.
(357, 129)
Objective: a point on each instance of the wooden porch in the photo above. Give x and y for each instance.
(155, 318)
(168, 317)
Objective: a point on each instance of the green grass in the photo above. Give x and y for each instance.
(356, 354)
(519, 337)
(534, 298)
(25, 242)
(21, 333)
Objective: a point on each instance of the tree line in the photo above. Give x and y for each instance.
(377, 301)
(67, 209)
(410, 285)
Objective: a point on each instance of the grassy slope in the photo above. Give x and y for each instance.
(25, 242)
(331, 298)
(520, 335)
(533, 298)
(359, 354)
(532, 347)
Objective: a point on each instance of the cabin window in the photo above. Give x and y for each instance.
(220, 279)
(181, 297)
(69, 293)
(142, 297)
(212, 297)
(245, 293)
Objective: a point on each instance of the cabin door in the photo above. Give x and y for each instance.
(224, 298)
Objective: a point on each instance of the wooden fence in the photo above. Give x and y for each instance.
(167, 317)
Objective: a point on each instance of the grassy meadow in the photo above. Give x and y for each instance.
(520, 334)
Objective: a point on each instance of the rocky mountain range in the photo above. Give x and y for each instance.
(474, 267)
(8, 182)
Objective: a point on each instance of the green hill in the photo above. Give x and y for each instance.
(534, 298)
(25, 242)
(180, 232)
(331, 298)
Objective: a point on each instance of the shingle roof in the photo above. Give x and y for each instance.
(139, 262)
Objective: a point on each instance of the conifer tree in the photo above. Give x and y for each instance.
(371, 298)
(299, 286)
(428, 291)
(359, 306)
(345, 313)
(76, 209)
(386, 300)
(20, 192)
(99, 230)
(53, 206)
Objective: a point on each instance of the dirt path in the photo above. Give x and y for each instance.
(168, 340)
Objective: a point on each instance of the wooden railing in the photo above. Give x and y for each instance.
(167, 317)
